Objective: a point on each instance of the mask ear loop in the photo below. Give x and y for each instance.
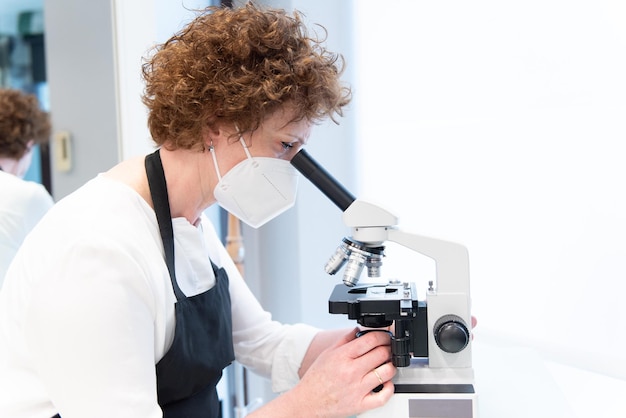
(245, 147)
(243, 142)
(212, 151)
(217, 170)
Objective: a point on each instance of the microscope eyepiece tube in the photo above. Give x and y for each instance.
(327, 184)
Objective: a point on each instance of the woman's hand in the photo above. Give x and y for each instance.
(340, 382)
(341, 379)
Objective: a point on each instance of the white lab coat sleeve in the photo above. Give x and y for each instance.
(90, 333)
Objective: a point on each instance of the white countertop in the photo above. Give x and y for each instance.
(519, 382)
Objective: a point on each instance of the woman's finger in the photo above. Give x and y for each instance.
(379, 376)
(367, 342)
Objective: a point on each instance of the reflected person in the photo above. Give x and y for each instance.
(23, 124)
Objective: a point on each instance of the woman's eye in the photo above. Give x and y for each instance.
(286, 145)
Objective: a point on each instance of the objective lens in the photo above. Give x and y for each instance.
(337, 260)
(374, 262)
(353, 270)
(356, 255)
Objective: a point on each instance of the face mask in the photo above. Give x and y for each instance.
(257, 189)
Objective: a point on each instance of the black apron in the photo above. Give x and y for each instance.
(188, 373)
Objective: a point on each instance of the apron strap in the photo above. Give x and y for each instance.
(160, 200)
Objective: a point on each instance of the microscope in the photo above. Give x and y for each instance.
(431, 341)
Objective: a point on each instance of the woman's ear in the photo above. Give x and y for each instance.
(210, 135)
(223, 130)
(227, 132)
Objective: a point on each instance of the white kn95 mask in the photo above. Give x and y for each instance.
(258, 189)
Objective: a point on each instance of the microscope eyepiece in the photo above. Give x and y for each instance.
(323, 180)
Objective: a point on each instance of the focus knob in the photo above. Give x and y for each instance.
(451, 333)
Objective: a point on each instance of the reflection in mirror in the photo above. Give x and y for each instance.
(22, 66)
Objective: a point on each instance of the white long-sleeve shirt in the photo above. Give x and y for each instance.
(22, 204)
(87, 309)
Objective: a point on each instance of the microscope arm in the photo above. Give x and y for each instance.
(451, 259)
(374, 225)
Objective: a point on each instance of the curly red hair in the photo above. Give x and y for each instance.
(21, 121)
(238, 66)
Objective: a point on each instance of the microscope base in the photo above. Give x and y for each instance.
(429, 401)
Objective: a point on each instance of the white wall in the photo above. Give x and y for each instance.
(134, 34)
(501, 126)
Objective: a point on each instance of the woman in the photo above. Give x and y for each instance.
(134, 307)
(22, 125)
